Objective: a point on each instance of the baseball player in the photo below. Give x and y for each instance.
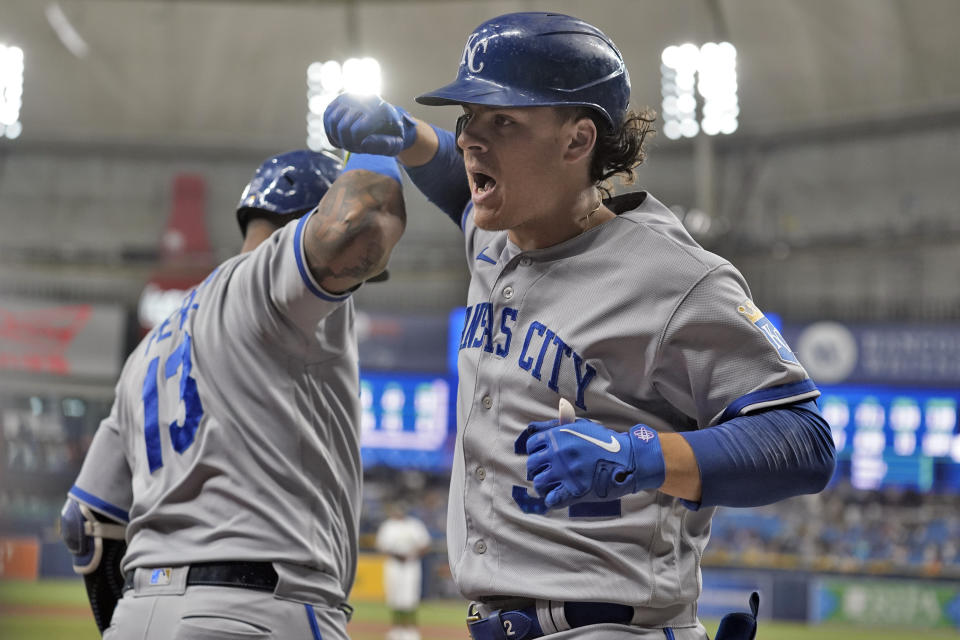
(230, 462)
(680, 395)
(404, 539)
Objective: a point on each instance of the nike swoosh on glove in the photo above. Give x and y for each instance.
(586, 462)
(368, 124)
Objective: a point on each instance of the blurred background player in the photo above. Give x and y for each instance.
(405, 540)
(682, 395)
(231, 460)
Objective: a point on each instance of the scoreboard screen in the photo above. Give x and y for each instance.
(408, 420)
(895, 437)
(885, 436)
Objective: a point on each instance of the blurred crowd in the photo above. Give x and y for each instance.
(42, 443)
(844, 530)
(422, 495)
(890, 532)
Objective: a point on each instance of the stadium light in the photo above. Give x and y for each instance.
(710, 71)
(361, 75)
(11, 90)
(326, 80)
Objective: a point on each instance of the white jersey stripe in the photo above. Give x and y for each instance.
(810, 395)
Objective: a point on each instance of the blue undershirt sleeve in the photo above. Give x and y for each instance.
(763, 457)
(443, 180)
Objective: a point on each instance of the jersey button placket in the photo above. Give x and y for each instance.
(480, 473)
(487, 402)
(508, 292)
(480, 546)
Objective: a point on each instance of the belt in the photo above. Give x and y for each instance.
(244, 575)
(523, 624)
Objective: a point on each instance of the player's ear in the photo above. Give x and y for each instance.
(582, 138)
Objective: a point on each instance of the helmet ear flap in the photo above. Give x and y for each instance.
(246, 214)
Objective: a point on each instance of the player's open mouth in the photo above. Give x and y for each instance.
(482, 183)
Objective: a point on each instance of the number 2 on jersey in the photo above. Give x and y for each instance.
(181, 435)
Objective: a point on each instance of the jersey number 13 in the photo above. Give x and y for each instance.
(181, 435)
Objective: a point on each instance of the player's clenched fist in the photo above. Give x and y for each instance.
(368, 124)
(585, 462)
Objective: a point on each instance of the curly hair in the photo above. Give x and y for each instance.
(618, 151)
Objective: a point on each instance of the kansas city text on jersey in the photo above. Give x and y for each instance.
(543, 354)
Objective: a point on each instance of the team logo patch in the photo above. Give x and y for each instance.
(161, 577)
(644, 434)
(769, 331)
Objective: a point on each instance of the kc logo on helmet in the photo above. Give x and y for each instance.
(470, 51)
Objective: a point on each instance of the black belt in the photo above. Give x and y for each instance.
(244, 575)
(522, 624)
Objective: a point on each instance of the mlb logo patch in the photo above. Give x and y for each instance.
(161, 577)
(644, 434)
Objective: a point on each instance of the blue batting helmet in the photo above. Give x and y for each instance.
(288, 184)
(539, 59)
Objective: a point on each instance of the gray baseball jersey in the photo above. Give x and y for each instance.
(235, 430)
(633, 322)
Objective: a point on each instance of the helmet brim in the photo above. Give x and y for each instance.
(472, 90)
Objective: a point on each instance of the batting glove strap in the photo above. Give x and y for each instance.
(384, 165)
(409, 126)
(649, 468)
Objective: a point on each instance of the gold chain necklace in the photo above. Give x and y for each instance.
(596, 208)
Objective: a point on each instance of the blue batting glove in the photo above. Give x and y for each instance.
(585, 462)
(367, 124)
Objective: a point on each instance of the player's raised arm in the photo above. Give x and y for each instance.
(359, 221)
(368, 124)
